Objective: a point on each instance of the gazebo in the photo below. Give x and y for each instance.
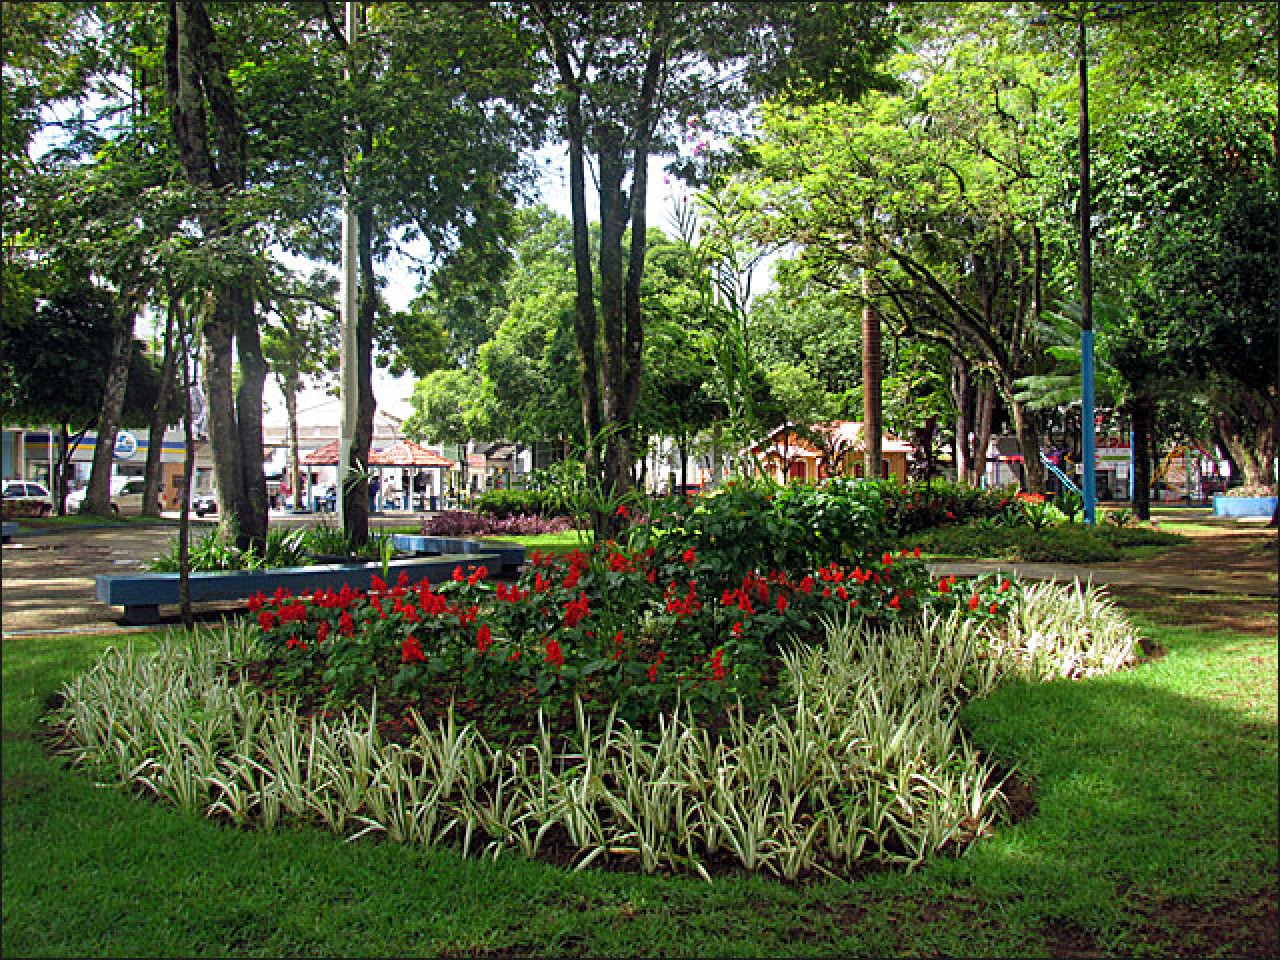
(402, 455)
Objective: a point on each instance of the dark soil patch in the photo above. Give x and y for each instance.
(1242, 927)
(1065, 939)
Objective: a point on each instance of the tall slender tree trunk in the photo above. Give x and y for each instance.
(156, 429)
(1029, 437)
(355, 489)
(290, 390)
(98, 496)
(872, 370)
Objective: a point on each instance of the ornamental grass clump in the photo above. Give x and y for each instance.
(858, 759)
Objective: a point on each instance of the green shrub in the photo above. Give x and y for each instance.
(217, 550)
(512, 503)
(1067, 543)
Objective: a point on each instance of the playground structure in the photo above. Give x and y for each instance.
(1067, 482)
(1181, 475)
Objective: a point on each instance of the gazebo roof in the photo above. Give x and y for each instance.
(402, 453)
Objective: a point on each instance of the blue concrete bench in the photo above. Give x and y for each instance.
(142, 594)
(9, 530)
(511, 554)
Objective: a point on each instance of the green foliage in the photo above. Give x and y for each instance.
(509, 503)
(1069, 543)
(217, 550)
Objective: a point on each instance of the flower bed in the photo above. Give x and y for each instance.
(624, 629)
(859, 761)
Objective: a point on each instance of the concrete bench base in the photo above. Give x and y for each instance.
(510, 554)
(142, 594)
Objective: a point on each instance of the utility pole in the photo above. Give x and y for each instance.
(348, 294)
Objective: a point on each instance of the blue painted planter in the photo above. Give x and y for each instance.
(1244, 506)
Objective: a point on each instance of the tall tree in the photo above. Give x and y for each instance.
(627, 76)
(932, 194)
(208, 133)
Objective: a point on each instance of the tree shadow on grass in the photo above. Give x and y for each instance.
(1156, 823)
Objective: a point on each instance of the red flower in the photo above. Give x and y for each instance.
(403, 581)
(346, 626)
(887, 559)
(411, 651)
(571, 578)
(622, 511)
(322, 632)
(478, 574)
(618, 563)
(295, 642)
(944, 585)
(458, 575)
(1004, 586)
(689, 557)
(993, 608)
(576, 610)
(973, 602)
(555, 656)
(717, 665)
(266, 620)
(515, 655)
(653, 669)
(737, 629)
(377, 583)
(895, 603)
(484, 639)
(617, 646)
(842, 593)
(256, 602)
(806, 585)
(782, 603)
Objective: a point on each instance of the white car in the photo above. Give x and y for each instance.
(126, 496)
(34, 497)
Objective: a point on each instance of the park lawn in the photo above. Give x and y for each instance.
(548, 542)
(1154, 832)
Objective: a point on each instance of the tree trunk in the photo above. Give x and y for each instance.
(156, 429)
(1028, 432)
(1143, 412)
(355, 489)
(255, 517)
(98, 496)
(289, 387)
(872, 368)
(974, 402)
(202, 98)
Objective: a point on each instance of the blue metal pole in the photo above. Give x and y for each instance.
(1086, 416)
(1131, 466)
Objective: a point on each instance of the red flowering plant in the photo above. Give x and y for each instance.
(989, 598)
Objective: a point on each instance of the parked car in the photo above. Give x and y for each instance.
(126, 497)
(27, 498)
(203, 503)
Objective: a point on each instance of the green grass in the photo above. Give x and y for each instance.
(548, 542)
(1154, 786)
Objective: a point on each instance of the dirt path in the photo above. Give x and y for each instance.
(1226, 556)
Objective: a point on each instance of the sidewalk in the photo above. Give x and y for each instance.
(48, 575)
